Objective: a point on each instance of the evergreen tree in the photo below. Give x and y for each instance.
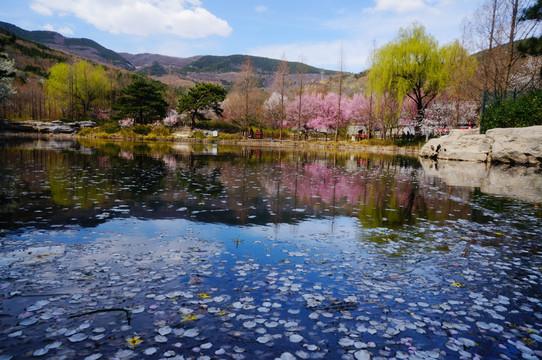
(532, 46)
(143, 101)
(204, 96)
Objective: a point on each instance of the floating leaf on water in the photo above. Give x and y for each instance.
(160, 339)
(295, 338)
(78, 337)
(264, 339)
(249, 324)
(164, 330)
(41, 352)
(29, 321)
(362, 355)
(191, 333)
(124, 354)
(150, 351)
(94, 356)
(287, 356)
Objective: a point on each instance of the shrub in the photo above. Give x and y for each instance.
(198, 135)
(142, 129)
(160, 131)
(524, 111)
(111, 127)
(222, 126)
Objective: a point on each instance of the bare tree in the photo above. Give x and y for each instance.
(494, 33)
(279, 86)
(244, 102)
(301, 70)
(341, 67)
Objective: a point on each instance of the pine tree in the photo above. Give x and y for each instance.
(143, 101)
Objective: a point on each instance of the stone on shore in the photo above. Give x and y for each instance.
(510, 146)
(518, 145)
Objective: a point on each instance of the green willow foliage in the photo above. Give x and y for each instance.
(412, 65)
(524, 111)
(77, 90)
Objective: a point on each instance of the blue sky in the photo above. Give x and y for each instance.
(312, 31)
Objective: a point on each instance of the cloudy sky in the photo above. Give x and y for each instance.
(313, 31)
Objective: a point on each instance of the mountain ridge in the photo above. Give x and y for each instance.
(169, 69)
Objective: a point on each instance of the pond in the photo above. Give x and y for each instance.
(119, 250)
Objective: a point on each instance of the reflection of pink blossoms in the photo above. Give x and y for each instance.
(126, 155)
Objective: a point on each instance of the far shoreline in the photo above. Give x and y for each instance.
(357, 146)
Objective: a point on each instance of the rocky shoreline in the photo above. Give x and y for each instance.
(522, 146)
(44, 127)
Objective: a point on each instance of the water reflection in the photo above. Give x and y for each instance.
(50, 183)
(523, 183)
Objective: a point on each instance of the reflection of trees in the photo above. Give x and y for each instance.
(247, 186)
(7, 189)
(200, 179)
(73, 184)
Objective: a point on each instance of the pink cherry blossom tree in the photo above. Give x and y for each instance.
(327, 112)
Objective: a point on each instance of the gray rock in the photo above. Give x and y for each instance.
(43, 127)
(510, 146)
(517, 145)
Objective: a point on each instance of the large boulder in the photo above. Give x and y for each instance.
(510, 146)
(516, 145)
(461, 145)
(44, 127)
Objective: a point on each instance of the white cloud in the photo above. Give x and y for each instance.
(403, 6)
(182, 18)
(65, 30)
(260, 9)
(41, 9)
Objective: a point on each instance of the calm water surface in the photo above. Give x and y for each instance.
(151, 250)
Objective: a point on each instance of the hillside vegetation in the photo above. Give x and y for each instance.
(87, 48)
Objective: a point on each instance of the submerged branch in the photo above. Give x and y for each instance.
(126, 311)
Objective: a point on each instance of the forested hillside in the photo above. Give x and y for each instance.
(86, 48)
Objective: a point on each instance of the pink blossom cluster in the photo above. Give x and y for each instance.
(126, 122)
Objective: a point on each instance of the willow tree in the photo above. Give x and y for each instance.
(77, 89)
(412, 65)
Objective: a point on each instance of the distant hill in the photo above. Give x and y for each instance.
(217, 69)
(85, 48)
(168, 69)
(232, 63)
(30, 57)
(141, 61)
